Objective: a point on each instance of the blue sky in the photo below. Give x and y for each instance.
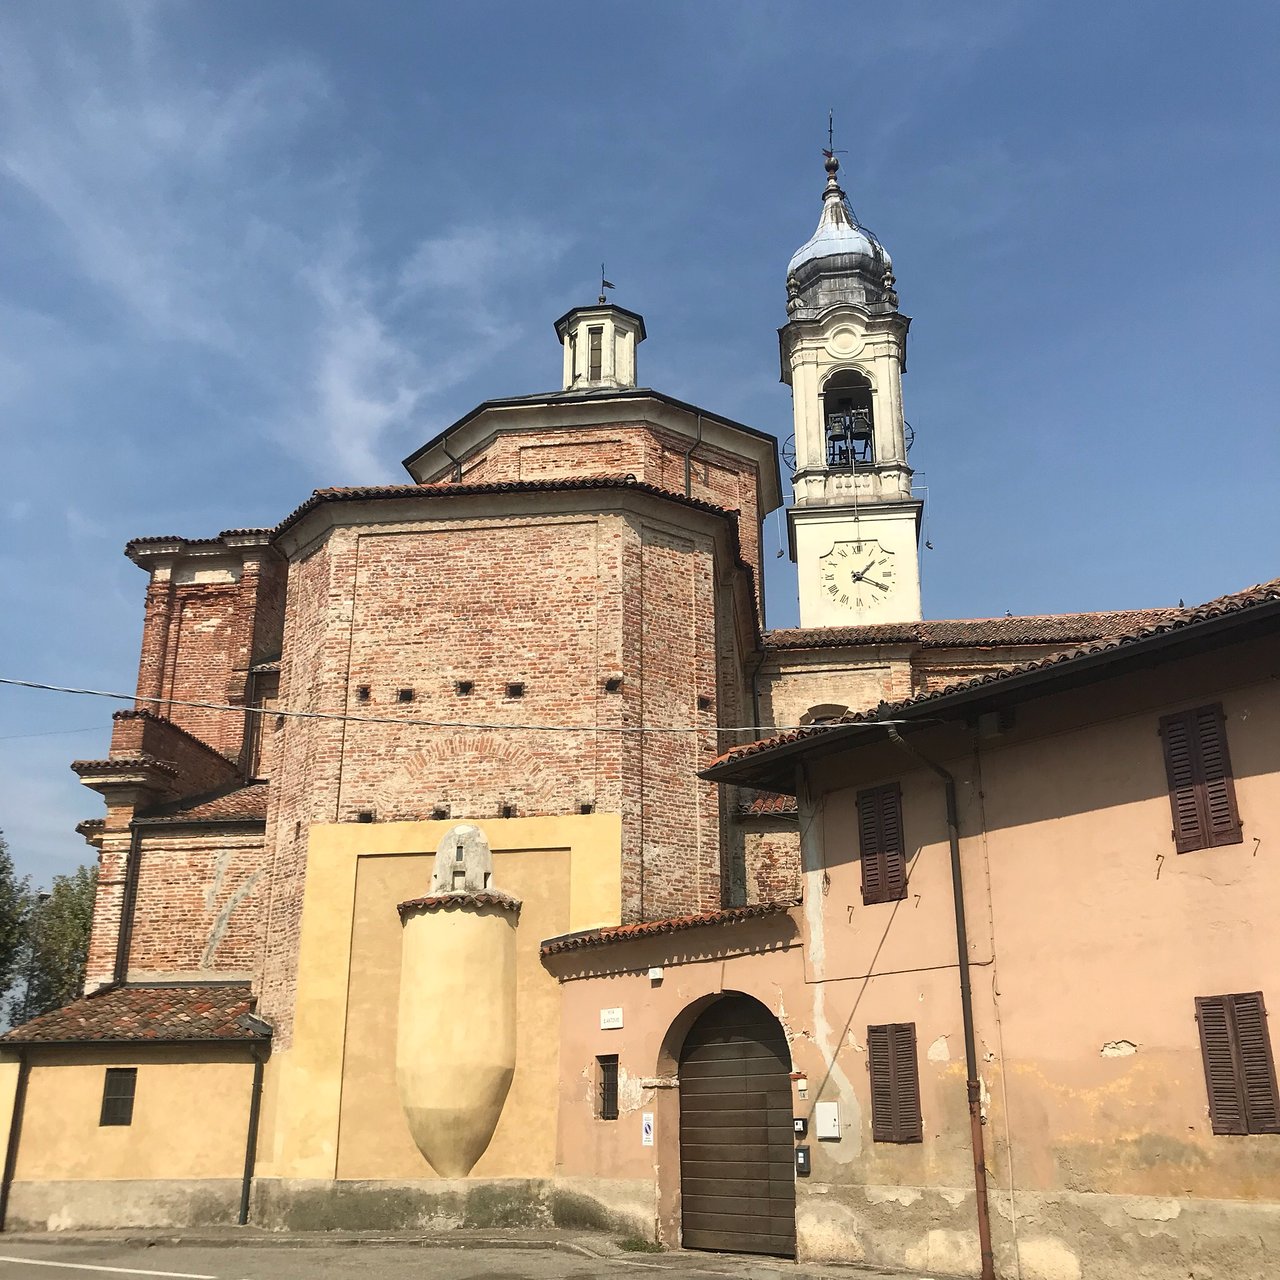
(247, 250)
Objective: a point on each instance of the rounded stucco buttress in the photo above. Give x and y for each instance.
(456, 1035)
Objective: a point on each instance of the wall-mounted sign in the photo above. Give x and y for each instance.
(646, 1128)
(610, 1019)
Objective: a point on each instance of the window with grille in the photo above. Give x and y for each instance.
(895, 1083)
(1239, 1072)
(881, 845)
(607, 1086)
(1202, 791)
(117, 1095)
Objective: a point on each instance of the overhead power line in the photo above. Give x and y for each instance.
(410, 721)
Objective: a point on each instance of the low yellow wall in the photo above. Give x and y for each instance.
(190, 1114)
(331, 1107)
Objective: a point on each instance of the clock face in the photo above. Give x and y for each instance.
(858, 575)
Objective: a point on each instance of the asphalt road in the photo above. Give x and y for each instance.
(105, 1260)
(274, 1262)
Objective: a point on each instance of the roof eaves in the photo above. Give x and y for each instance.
(745, 764)
(549, 398)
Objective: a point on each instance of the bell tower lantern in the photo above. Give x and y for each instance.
(854, 524)
(600, 347)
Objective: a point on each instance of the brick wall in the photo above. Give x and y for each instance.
(651, 454)
(304, 780)
(200, 768)
(561, 601)
(793, 681)
(771, 860)
(208, 620)
(113, 862)
(200, 902)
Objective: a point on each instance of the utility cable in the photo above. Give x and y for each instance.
(414, 722)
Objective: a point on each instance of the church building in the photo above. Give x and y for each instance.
(473, 855)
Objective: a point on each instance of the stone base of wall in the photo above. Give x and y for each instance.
(87, 1205)
(1052, 1236)
(284, 1204)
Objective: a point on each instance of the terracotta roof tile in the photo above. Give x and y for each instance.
(768, 804)
(238, 804)
(1053, 628)
(651, 928)
(450, 901)
(1164, 622)
(448, 489)
(196, 1011)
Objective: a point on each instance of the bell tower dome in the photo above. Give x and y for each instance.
(854, 525)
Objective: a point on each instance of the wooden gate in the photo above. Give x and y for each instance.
(737, 1180)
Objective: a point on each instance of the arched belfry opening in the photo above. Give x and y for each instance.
(848, 417)
(737, 1172)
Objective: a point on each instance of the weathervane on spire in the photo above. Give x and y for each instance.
(605, 284)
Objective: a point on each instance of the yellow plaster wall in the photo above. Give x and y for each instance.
(9, 1069)
(331, 1108)
(190, 1114)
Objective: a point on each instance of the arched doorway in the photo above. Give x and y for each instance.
(737, 1178)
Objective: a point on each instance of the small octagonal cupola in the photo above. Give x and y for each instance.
(600, 347)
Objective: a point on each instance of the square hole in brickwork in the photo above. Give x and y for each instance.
(440, 812)
(404, 695)
(613, 684)
(704, 703)
(464, 687)
(586, 807)
(508, 811)
(515, 689)
(364, 815)
(362, 693)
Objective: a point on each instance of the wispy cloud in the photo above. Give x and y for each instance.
(221, 212)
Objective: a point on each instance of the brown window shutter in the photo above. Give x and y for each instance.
(895, 1083)
(881, 844)
(1256, 1068)
(906, 1082)
(1222, 818)
(1201, 788)
(1226, 1104)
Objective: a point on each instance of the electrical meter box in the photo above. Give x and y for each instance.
(826, 1120)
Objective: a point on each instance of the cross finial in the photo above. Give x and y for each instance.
(829, 152)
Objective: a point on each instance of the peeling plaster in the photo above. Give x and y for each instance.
(631, 1092)
(1147, 1210)
(953, 1252)
(1118, 1048)
(850, 1148)
(893, 1195)
(939, 1050)
(1046, 1258)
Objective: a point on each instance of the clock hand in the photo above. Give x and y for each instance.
(874, 583)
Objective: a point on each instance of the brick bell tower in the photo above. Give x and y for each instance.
(855, 524)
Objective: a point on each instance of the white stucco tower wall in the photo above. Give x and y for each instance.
(854, 525)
